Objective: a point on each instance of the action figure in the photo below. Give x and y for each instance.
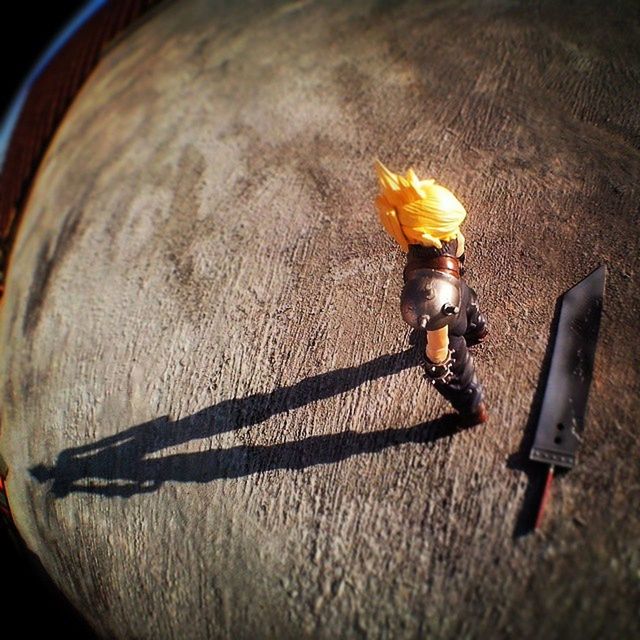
(425, 218)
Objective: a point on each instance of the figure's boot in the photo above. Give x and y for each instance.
(479, 416)
(456, 380)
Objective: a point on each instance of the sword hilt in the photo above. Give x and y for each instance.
(546, 496)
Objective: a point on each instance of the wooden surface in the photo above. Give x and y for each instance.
(213, 417)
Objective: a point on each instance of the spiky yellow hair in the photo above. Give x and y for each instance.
(417, 211)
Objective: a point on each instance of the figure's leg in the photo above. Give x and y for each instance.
(456, 380)
(476, 322)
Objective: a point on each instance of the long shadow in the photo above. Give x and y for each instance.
(120, 465)
(536, 472)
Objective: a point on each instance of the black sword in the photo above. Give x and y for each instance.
(561, 420)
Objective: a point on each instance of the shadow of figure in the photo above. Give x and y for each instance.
(120, 465)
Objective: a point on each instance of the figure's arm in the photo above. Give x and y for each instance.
(438, 345)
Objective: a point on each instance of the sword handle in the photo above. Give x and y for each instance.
(546, 496)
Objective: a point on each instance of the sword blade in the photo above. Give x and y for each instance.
(561, 419)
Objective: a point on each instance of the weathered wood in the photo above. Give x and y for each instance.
(212, 415)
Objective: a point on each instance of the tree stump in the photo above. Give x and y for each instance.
(213, 416)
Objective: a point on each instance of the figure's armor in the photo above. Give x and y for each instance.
(430, 299)
(435, 296)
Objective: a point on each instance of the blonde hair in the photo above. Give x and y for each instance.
(417, 211)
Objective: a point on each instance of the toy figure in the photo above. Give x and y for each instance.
(425, 218)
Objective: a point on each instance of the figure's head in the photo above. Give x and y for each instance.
(417, 211)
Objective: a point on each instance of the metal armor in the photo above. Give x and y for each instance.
(430, 299)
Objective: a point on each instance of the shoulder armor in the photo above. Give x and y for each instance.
(430, 299)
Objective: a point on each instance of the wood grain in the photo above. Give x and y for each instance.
(213, 415)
